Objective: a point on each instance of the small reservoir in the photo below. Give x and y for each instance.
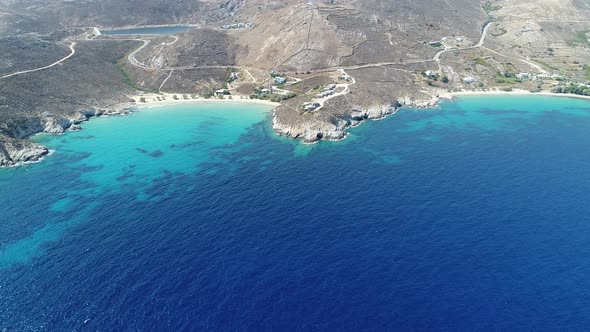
(151, 30)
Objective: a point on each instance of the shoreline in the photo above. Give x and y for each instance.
(436, 98)
(41, 158)
(150, 102)
(515, 92)
(126, 108)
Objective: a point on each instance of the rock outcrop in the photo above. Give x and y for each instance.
(311, 128)
(14, 152)
(16, 149)
(310, 131)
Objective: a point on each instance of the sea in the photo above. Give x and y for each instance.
(470, 216)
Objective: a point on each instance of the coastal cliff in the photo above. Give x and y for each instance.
(17, 149)
(313, 127)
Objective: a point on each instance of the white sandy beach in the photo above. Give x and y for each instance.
(151, 99)
(516, 92)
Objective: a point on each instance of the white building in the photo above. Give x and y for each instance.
(469, 80)
(430, 73)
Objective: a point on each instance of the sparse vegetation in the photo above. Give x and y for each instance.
(120, 64)
(547, 65)
(507, 78)
(126, 79)
(499, 32)
(273, 97)
(581, 39)
(207, 95)
(480, 61)
(489, 7)
(577, 89)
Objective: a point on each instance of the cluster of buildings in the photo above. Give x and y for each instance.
(430, 74)
(311, 106)
(280, 80)
(345, 77)
(534, 77)
(328, 91)
(446, 39)
(234, 76)
(469, 80)
(520, 76)
(238, 26)
(221, 92)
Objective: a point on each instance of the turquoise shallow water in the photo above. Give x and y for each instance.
(472, 215)
(116, 153)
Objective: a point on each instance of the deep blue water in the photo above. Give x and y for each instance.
(163, 30)
(472, 216)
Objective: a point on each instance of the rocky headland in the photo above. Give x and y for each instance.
(18, 150)
(312, 128)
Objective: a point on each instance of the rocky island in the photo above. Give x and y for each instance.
(328, 64)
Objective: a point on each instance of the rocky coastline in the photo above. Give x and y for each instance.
(312, 131)
(17, 149)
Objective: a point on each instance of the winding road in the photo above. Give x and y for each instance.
(346, 87)
(72, 45)
(436, 57)
(479, 44)
(133, 61)
(131, 56)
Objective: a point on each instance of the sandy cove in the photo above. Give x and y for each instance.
(515, 92)
(151, 100)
